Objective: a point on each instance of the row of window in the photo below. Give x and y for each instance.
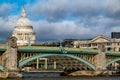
(25, 33)
(24, 38)
(117, 44)
(94, 44)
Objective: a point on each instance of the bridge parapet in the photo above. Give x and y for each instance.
(2, 46)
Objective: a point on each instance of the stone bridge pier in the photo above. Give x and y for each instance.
(10, 60)
(100, 60)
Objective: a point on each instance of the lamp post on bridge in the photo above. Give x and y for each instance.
(62, 49)
(60, 40)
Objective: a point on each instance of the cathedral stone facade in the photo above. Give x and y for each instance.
(23, 30)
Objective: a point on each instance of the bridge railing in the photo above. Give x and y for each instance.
(47, 47)
(39, 47)
(2, 46)
(50, 48)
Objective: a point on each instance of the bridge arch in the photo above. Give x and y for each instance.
(45, 55)
(112, 61)
(1, 67)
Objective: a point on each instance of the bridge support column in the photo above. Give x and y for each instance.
(54, 64)
(10, 61)
(37, 66)
(46, 63)
(100, 60)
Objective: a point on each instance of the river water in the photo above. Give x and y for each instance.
(54, 76)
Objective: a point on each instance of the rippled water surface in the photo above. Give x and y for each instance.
(69, 78)
(54, 76)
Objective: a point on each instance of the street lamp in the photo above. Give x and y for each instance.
(62, 49)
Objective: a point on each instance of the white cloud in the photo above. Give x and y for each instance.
(112, 7)
(76, 29)
(59, 10)
(8, 23)
(4, 9)
(115, 29)
(93, 18)
(64, 29)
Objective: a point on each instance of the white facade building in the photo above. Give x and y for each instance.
(23, 30)
(110, 44)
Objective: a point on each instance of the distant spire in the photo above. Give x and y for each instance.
(23, 12)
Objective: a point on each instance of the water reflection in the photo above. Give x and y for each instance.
(69, 78)
(56, 76)
(39, 75)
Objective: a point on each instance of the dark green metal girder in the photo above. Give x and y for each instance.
(81, 52)
(27, 50)
(2, 49)
(33, 50)
(113, 54)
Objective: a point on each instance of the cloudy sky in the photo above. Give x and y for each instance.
(66, 19)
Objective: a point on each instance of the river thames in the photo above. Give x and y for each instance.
(56, 76)
(68, 78)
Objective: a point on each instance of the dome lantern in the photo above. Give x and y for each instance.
(23, 12)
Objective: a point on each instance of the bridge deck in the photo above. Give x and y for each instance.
(44, 49)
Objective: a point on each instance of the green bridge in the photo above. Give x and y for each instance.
(57, 59)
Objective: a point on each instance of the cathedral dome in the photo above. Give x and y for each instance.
(23, 21)
(23, 30)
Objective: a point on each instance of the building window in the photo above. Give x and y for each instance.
(119, 49)
(108, 44)
(94, 44)
(118, 44)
